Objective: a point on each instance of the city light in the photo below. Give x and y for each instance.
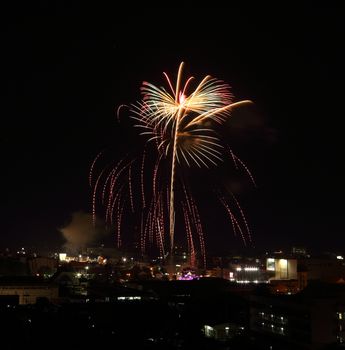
(62, 256)
(251, 269)
(270, 264)
(283, 263)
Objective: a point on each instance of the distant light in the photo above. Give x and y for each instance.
(283, 263)
(339, 257)
(86, 267)
(270, 264)
(251, 269)
(129, 298)
(62, 256)
(227, 328)
(124, 259)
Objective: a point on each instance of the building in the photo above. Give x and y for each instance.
(284, 275)
(42, 266)
(243, 273)
(311, 319)
(222, 331)
(324, 269)
(283, 268)
(27, 290)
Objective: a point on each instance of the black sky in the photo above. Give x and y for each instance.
(65, 67)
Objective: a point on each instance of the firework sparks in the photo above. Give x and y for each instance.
(186, 115)
(181, 124)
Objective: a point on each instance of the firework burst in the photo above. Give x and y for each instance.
(179, 124)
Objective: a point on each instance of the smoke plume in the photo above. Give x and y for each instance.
(81, 232)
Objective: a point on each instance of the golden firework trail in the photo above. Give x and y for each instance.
(180, 120)
(177, 120)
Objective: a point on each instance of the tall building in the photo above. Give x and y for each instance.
(311, 319)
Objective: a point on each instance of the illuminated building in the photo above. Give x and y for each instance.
(222, 332)
(62, 257)
(28, 290)
(285, 279)
(242, 273)
(310, 319)
(282, 268)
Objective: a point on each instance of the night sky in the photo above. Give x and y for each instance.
(66, 67)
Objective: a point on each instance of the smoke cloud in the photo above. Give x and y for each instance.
(81, 232)
(247, 124)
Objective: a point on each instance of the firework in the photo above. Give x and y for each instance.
(180, 122)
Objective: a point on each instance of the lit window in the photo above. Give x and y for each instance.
(270, 264)
(283, 263)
